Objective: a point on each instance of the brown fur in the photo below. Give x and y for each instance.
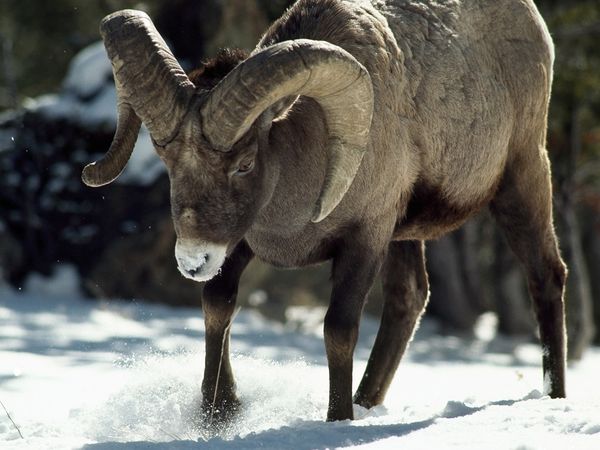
(461, 93)
(212, 71)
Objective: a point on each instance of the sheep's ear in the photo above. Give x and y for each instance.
(328, 74)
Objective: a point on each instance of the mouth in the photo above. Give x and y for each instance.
(199, 260)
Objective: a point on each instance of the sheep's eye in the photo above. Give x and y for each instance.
(245, 167)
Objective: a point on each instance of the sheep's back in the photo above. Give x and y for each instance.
(476, 88)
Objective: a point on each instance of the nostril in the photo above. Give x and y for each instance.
(197, 265)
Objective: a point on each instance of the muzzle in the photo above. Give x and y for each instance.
(199, 260)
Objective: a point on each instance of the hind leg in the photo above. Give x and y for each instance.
(523, 209)
(405, 291)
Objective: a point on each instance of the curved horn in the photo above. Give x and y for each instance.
(112, 164)
(150, 85)
(318, 69)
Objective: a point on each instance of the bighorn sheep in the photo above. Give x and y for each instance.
(353, 132)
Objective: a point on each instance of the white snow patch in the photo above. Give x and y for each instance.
(88, 71)
(105, 375)
(486, 326)
(299, 318)
(144, 166)
(63, 283)
(89, 98)
(88, 95)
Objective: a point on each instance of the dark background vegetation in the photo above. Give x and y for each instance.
(471, 271)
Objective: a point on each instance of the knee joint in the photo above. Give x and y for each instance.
(217, 308)
(550, 283)
(341, 333)
(411, 299)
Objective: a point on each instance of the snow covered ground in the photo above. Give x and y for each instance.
(102, 376)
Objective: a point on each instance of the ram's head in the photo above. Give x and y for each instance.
(214, 141)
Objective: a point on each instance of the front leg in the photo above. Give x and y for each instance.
(219, 401)
(354, 270)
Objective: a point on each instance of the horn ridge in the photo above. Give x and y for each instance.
(151, 88)
(318, 69)
(112, 164)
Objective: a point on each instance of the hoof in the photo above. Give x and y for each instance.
(214, 418)
(334, 415)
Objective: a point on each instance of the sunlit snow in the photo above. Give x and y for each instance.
(78, 373)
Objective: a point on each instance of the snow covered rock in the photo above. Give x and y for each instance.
(88, 99)
(48, 216)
